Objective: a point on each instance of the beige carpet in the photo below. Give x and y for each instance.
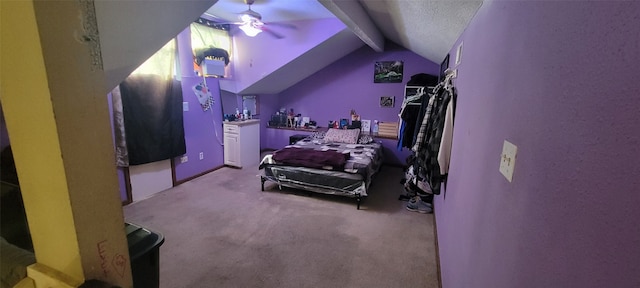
(221, 231)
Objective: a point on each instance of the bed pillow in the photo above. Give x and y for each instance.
(318, 134)
(365, 139)
(348, 136)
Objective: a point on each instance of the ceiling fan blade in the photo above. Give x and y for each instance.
(272, 33)
(230, 23)
(282, 24)
(212, 19)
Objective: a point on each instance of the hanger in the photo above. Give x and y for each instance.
(449, 75)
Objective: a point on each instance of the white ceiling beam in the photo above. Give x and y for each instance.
(352, 14)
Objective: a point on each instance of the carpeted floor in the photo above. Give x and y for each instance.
(221, 231)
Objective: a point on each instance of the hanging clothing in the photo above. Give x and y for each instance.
(418, 143)
(444, 154)
(427, 157)
(422, 113)
(431, 138)
(400, 135)
(408, 118)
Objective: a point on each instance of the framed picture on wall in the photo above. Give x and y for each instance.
(443, 66)
(365, 125)
(387, 101)
(388, 72)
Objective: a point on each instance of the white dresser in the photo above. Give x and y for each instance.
(242, 143)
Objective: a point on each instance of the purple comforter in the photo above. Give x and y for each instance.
(311, 158)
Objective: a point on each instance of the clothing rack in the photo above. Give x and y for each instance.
(421, 92)
(432, 134)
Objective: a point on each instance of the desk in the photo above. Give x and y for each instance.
(302, 129)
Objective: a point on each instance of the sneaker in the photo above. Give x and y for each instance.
(415, 199)
(420, 207)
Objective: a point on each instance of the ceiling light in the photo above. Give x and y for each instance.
(245, 18)
(251, 26)
(250, 30)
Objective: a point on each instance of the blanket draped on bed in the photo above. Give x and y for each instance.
(311, 158)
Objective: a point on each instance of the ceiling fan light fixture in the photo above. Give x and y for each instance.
(249, 30)
(245, 18)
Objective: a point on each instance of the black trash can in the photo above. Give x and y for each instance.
(144, 252)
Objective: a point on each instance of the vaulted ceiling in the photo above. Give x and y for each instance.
(428, 28)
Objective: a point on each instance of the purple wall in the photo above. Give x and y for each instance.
(202, 129)
(559, 80)
(347, 84)
(278, 138)
(229, 102)
(269, 106)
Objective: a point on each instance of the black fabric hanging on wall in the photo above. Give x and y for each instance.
(152, 108)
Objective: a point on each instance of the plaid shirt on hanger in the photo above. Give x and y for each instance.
(427, 157)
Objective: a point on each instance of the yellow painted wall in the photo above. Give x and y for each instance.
(34, 137)
(57, 116)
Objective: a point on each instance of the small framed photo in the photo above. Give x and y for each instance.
(387, 101)
(365, 125)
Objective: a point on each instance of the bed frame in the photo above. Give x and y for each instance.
(358, 196)
(353, 181)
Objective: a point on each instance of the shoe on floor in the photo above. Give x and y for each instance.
(419, 206)
(415, 199)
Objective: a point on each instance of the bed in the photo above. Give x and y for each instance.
(339, 162)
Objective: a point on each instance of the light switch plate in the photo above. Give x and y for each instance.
(185, 106)
(508, 159)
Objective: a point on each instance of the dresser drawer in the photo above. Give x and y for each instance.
(231, 129)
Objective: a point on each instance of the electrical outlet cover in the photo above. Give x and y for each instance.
(508, 159)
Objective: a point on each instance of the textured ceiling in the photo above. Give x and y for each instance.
(428, 28)
(271, 10)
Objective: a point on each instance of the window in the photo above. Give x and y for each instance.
(210, 43)
(162, 63)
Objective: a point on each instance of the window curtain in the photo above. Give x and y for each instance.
(151, 119)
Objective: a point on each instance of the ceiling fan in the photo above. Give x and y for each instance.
(251, 22)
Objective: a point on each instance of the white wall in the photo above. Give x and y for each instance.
(151, 178)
